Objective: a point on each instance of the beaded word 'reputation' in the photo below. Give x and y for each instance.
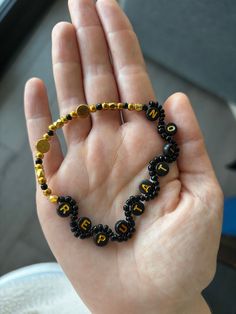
(82, 227)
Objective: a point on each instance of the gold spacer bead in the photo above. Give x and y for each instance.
(40, 173)
(74, 114)
(39, 155)
(42, 180)
(47, 192)
(42, 146)
(53, 198)
(105, 105)
(52, 127)
(38, 166)
(138, 107)
(112, 105)
(46, 137)
(131, 106)
(92, 108)
(64, 120)
(83, 111)
(59, 123)
(120, 105)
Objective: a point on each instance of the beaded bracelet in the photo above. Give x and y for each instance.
(158, 167)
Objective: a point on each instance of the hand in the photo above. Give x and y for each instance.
(172, 256)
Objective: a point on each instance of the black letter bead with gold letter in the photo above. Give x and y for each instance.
(152, 113)
(146, 187)
(169, 150)
(84, 224)
(101, 238)
(137, 208)
(64, 210)
(171, 128)
(122, 227)
(162, 169)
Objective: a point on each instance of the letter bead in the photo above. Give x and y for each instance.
(152, 113)
(84, 224)
(137, 208)
(64, 210)
(162, 169)
(122, 227)
(171, 128)
(101, 238)
(146, 187)
(169, 150)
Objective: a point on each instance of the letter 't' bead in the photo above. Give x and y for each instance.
(137, 208)
(84, 224)
(101, 238)
(146, 187)
(162, 169)
(152, 113)
(64, 210)
(122, 227)
(171, 128)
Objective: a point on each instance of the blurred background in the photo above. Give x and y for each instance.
(189, 46)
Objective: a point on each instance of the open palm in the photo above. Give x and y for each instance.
(172, 256)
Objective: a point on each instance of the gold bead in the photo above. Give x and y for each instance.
(53, 198)
(38, 166)
(92, 108)
(105, 105)
(47, 192)
(120, 105)
(64, 120)
(83, 111)
(59, 123)
(138, 107)
(46, 136)
(42, 146)
(52, 127)
(39, 155)
(74, 114)
(42, 180)
(131, 107)
(40, 173)
(112, 105)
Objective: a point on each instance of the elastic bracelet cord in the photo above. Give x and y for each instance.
(158, 167)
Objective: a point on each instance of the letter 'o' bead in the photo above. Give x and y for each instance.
(171, 128)
(137, 208)
(101, 238)
(122, 227)
(84, 224)
(162, 169)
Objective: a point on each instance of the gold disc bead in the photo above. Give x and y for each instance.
(59, 123)
(83, 111)
(53, 198)
(138, 107)
(46, 137)
(105, 105)
(64, 120)
(131, 106)
(38, 167)
(112, 106)
(39, 155)
(42, 180)
(120, 105)
(52, 127)
(42, 146)
(74, 114)
(92, 108)
(47, 192)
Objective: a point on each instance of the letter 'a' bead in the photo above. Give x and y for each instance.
(162, 169)
(152, 114)
(122, 227)
(146, 187)
(171, 128)
(84, 224)
(137, 208)
(101, 238)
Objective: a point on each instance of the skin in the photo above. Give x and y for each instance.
(172, 256)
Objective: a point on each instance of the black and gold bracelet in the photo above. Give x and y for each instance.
(82, 227)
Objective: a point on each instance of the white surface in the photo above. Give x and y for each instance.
(39, 289)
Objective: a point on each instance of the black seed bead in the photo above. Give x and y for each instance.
(82, 236)
(61, 199)
(132, 229)
(145, 107)
(68, 199)
(44, 186)
(75, 208)
(68, 117)
(50, 133)
(38, 161)
(126, 208)
(114, 237)
(152, 173)
(73, 218)
(73, 224)
(72, 202)
(100, 227)
(128, 214)
(129, 235)
(99, 106)
(76, 234)
(74, 229)
(154, 178)
(105, 228)
(152, 104)
(126, 105)
(120, 239)
(142, 198)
